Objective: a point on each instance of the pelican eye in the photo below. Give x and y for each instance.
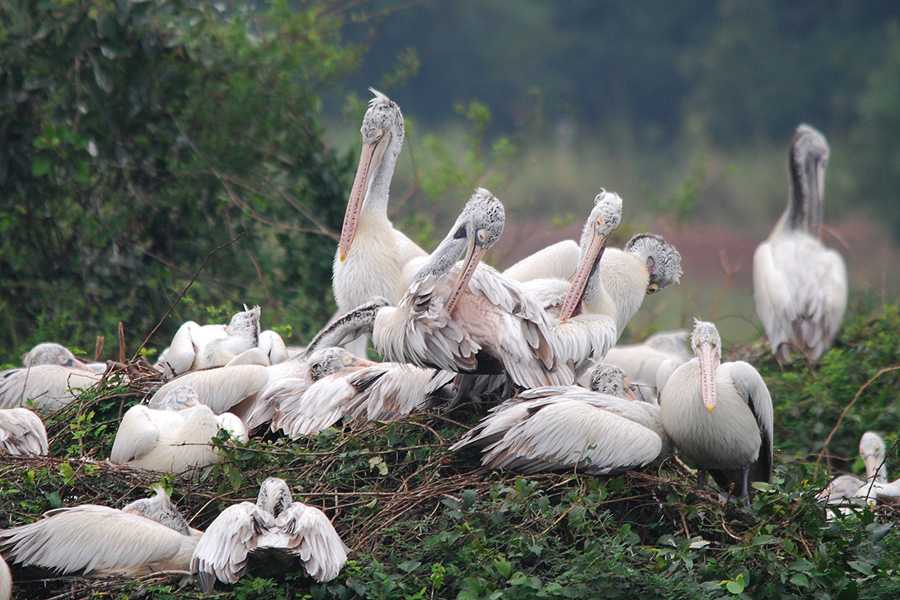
(482, 235)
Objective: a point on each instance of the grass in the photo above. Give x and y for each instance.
(424, 523)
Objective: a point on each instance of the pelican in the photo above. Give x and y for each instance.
(22, 433)
(564, 427)
(197, 347)
(175, 439)
(343, 385)
(872, 450)
(799, 285)
(465, 318)
(5, 581)
(372, 254)
(146, 536)
(275, 524)
(51, 353)
(719, 416)
(556, 261)
(46, 388)
(654, 360)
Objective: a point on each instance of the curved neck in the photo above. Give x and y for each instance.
(805, 207)
(623, 280)
(447, 254)
(378, 194)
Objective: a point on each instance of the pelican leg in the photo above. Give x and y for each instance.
(701, 479)
(745, 484)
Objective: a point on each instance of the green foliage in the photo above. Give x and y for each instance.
(145, 141)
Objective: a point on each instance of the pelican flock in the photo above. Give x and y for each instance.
(539, 341)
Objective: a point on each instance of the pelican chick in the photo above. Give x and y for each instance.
(22, 433)
(276, 524)
(146, 536)
(719, 415)
(175, 438)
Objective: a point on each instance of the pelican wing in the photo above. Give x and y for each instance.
(253, 356)
(273, 345)
(750, 385)
(92, 538)
(22, 433)
(49, 387)
(586, 337)
(222, 551)
(839, 489)
(138, 434)
(320, 406)
(221, 388)
(390, 391)
(574, 434)
(557, 261)
(179, 356)
(307, 533)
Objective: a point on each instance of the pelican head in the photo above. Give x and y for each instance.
(245, 323)
(178, 398)
(707, 346)
(807, 161)
(603, 220)
(872, 449)
(662, 259)
(51, 353)
(476, 230)
(159, 508)
(330, 360)
(608, 379)
(274, 496)
(382, 128)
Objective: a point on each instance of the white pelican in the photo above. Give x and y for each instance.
(872, 450)
(175, 439)
(5, 581)
(275, 524)
(343, 385)
(799, 285)
(46, 388)
(564, 427)
(651, 362)
(372, 254)
(22, 433)
(51, 353)
(719, 416)
(197, 347)
(144, 537)
(464, 318)
(556, 261)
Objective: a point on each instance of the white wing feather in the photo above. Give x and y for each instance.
(22, 433)
(312, 537)
(222, 551)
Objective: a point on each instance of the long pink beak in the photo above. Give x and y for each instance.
(357, 196)
(473, 257)
(709, 364)
(572, 301)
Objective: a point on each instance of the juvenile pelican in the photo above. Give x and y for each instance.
(872, 450)
(146, 536)
(47, 388)
(197, 347)
(564, 427)
(799, 285)
(276, 524)
(465, 318)
(719, 416)
(372, 254)
(345, 386)
(22, 433)
(174, 439)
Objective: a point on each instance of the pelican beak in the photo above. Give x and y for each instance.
(709, 363)
(470, 263)
(589, 261)
(369, 160)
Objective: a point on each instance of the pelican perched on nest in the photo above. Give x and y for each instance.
(145, 536)
(565, 427)
(844, 487)
(465, 318)
(51, 353)
(274, 525)
(719, 415)
(197, 347)
(344, 386)
(799, 285)
(46, 388)
(175, 438)
(22, 433)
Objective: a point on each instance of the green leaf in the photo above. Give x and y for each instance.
(862, 566)
(504, 567)
(40, 166)
(408, 566)
(737, 585)
(800, 580)
(67, 472)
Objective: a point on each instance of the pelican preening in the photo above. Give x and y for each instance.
(565, 427)
(275, 524)
(175, 438)
(22, 433)
(719, 415)
(145, 536)
(799, 285)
